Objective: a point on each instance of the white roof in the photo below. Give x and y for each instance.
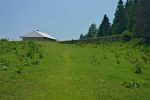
(38, 34)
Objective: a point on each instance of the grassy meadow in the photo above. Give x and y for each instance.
(54, 71)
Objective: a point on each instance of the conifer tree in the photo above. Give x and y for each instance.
(81, 36)
(120, 20)
(105, 27)
(142, 26)
(92, 33)
(131, 9)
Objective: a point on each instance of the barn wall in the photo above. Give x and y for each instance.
(37, 39)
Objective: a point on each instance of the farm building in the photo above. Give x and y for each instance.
(38, 36)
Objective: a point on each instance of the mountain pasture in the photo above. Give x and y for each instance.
(55, 71)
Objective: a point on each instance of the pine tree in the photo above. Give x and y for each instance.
(131, 8)
(81, 36)
(127, 3)
(92, 33)
(143, 19)
(129, 11)
(120, 20)
(105, 27)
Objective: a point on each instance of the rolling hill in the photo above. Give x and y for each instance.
(104, 71)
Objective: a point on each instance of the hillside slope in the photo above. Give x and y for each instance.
(114, 71)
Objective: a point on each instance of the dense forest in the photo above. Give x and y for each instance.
(132, 19)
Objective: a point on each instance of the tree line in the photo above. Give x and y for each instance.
(131, 17)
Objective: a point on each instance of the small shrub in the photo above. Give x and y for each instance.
(40, 56)
(4, 40)
(4, 68)
(126, 36)
(145, 58)
(25, 64)
(36, 62)
(116, 55)
(118, 62)
(18, 70)
(138, 69)
(133, 60)
(98, 62)
(95, 46)
(4, 62)
(93, 59)
(104, 56)
(131, 84)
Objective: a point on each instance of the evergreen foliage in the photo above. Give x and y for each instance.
(120, 20)
(105, 27)
(132, 17)
(131, 8)
(81, 36)
(142, 27)
(92, 31)
(126, 36)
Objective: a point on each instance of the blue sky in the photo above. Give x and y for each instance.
(63, 19)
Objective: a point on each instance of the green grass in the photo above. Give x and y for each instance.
(80, 72)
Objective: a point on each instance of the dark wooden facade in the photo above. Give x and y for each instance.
(37, 39)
